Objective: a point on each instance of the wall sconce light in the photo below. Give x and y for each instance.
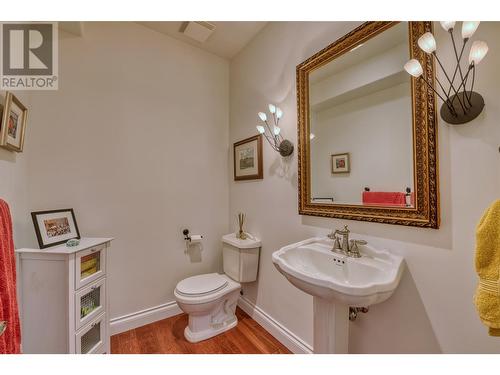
(464, 104)
(275, 139)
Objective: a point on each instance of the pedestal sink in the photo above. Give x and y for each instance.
(337, 281)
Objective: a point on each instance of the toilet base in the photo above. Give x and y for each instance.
(208, 333)
(210, 315)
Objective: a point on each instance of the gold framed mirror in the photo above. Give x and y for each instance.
(367, 131)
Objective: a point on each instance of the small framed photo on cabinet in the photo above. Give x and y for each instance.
(55, 227)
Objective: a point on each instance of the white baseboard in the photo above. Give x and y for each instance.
(282, 334)
(143, 317)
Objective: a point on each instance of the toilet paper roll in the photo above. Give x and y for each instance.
(196, 238)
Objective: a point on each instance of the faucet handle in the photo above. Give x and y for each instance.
(354, 250)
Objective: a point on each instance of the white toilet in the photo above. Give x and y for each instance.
(210, 299)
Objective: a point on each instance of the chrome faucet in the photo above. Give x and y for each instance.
(345, 238)
(349, 248)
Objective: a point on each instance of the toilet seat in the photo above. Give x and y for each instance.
(201, 285)
(220, 284)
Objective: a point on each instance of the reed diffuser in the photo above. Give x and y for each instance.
(241, 220)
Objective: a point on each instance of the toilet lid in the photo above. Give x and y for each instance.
(201, 284)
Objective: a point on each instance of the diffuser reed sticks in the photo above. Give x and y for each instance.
(241, 221)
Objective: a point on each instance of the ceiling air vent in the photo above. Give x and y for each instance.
(198, 30)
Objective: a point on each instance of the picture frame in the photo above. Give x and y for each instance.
(341, 163)
(55, 227)
(14, 118)
(248, 159)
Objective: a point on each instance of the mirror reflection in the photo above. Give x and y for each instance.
(361, 126)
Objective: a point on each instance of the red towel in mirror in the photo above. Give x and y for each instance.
(390, 198)
(10, 340)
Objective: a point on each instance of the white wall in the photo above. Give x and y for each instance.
(432, 310)
(13, 182)
(366, 72)
(136, 141)
(382, 118)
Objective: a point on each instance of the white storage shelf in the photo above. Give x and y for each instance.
(62, 298)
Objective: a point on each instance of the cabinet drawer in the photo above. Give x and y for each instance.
(92, 338)
(90, 265)
(90, 302)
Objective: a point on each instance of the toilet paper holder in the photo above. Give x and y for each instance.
(188, 238)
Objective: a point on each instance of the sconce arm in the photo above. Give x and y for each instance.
(445, 101)
(450, 82)
(466, 78)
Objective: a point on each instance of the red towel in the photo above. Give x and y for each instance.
(392, 198)
(10, 341)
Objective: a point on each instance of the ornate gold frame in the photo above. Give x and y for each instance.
(425, 146)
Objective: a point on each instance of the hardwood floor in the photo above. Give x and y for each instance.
(167, 336)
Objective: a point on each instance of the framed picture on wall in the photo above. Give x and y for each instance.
(248, 159)
(341, 163)
(55, 227)
(13, 123)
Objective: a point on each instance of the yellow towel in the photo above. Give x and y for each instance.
(487, 297)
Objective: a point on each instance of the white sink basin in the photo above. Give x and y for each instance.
(312, 267)
(336, 282)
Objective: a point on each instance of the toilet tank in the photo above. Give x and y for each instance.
(240, 258)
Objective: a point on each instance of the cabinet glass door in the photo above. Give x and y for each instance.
(90, 340)
(90, 265)
(90, 302)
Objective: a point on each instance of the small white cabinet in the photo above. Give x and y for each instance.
(62, 298)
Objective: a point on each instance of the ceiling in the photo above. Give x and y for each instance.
(226, 41)
(382, 42)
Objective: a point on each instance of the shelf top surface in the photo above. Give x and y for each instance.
(85, 243)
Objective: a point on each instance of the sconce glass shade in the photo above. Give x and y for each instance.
(414, 68)
(263, 116)
(312, 136)
(427, 43)
(469, 28)
(447, 25)
(277, 130)
(261, 129)
(272, 108)
(478, 50)
(279, 113)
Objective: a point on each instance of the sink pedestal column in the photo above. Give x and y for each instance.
(331, 327)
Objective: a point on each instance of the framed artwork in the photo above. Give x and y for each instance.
(13, 123)
(55, 227)
(248, 159)
(341, 163)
